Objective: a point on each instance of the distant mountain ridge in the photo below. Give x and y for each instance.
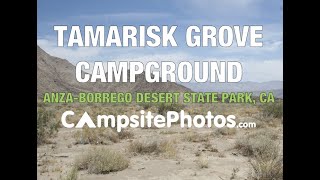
(256, 87)
(58, 75)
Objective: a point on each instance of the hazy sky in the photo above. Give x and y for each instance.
(260, 64)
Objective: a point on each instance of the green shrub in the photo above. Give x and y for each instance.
(46, 125)
(145, 106)
(272, 109)
(101, 161)
(164, 107)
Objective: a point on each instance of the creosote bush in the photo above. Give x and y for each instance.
(46, 125)
(274, 110)
(163, 108)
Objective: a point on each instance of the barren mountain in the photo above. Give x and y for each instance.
(58, 75)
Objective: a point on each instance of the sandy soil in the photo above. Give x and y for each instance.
(55, 159)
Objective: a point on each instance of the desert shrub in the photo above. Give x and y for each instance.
(203, 162)
(259, 143)
(195, 137)
(125, 134)
(95, 136)
(262, 168)
(270, 133)
(168, 132)
(272, 109)
(234, 173)
(164, 107)
(101, 161)
(253, 146)
(71, 175)
(143, 147)
(267, 166)
(166, 147)
(46, 125)
(264, 151)
(145, 106)
(209, 147)
(225, 131)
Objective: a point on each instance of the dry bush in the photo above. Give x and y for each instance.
(168, 132)
(267, 166)
(209, 147)
(164, 107)
(71, 175)
(101, 161)
(47, 126)
(260, 142)
(168, 148)
(203, 162)
(263, 148)
(195, 137)
(274, 110)
(143, 147)
(146, 106)
(125, 134)
(225, 131)
(271, 168)
(234, 173)
(165, 147)
(96, 136)
(270, 133)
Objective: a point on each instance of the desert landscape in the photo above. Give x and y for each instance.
(151, 153)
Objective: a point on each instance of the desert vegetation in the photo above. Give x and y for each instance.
(209, 153)
(47, 126)
(165, 147)
(101, 161)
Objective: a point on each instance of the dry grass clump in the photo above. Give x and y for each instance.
(165, 147)
(195, 137)
(96, 136)
(202, 162)
(263, 149)
(125, 134)
(267, 168)
(71, 175)
(101, 161)
(209, 147)
(225, 131)
(260, 142)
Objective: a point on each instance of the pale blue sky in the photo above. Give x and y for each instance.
(182, 13)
